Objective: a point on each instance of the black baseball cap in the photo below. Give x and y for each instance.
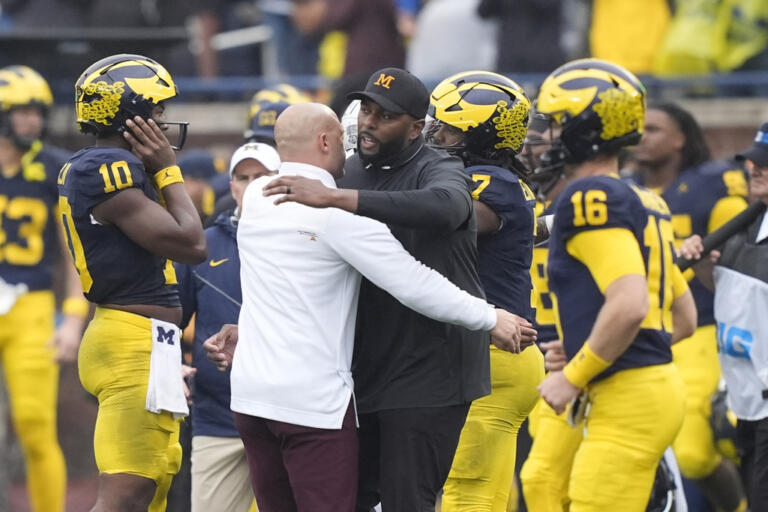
(758, 153)
(396, 90)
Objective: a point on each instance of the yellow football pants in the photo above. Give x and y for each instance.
(634, 416)
(547, 470)
(32, 379)
(697, 362)
(114, 366)
(484, 465)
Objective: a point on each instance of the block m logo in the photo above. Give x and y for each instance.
(267, 118)
(164, 336)
(384, 81)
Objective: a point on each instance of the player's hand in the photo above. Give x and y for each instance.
(220, 348)
(558, 391)
(300, 190)
(148, 142)
(66, 339)
(554, 355)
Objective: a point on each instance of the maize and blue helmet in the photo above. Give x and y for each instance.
(120, 87)
(600, 107)
(22, 86)
(489, 110)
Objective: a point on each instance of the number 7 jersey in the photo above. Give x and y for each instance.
(113, 268)
(621, 219)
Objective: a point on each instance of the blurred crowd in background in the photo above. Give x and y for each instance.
(307, 42)
(226, 50)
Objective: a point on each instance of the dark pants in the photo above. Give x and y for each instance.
(405, 456)
(301, 469)
(752, 440)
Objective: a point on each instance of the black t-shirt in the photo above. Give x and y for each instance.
(403, 359)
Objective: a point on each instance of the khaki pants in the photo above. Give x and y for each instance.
(220, 479)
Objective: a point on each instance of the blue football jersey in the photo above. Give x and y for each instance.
(113, 268)
(544, 298)
(29, 243)
(601, 203)
(692, 200)
(504, 256)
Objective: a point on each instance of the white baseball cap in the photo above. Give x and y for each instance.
(265, 154)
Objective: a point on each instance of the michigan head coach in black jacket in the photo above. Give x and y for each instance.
(414, 377)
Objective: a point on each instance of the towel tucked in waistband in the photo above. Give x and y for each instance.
(165, 390)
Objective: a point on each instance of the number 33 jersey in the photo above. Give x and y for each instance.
(113, 268)
(604, 229)
(28, 238)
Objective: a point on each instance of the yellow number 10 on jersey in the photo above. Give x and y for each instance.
(121, 176)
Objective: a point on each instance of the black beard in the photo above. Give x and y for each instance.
(386, 151)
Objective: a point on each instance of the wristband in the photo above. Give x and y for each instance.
(168, 176)
(584, 366)
(76, 306)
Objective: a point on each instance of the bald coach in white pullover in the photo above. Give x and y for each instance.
(292, 389)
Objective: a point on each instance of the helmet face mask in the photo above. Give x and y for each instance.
(22, 88)
(440, 135)
(349, 124)
(490, 110)
(120, 87)
(181, 137)
(544, 153)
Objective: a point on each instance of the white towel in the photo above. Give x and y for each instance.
(165, 390)
(9, 293)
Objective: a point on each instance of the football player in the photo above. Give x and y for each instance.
(30, 245)
(265, 106)
(547, 470)
(482, 118)
(611, 270)
(702, 195)
(127, 214)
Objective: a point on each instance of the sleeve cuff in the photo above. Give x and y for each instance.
(490, 318)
